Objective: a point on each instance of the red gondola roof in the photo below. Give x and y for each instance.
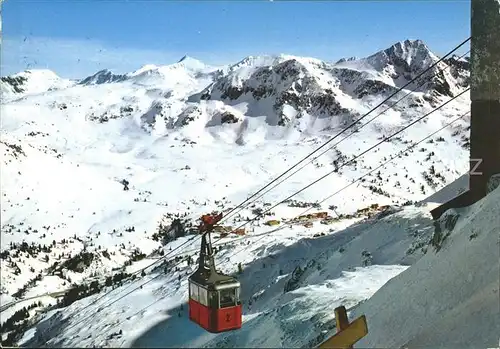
(210, 279)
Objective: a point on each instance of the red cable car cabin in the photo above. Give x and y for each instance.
(215, 306)
(214, 298)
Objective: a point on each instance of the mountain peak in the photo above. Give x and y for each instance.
(409, 43)
(414, 54)
(409, 47)
(184, 58)
(261, 60)
(190, 62)
(32, 81)
(102, 77)
(38, 73)
(349, 59)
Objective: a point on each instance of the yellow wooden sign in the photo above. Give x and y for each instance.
(347, 333)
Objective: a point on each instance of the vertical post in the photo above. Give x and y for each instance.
(341, 319)
(485, 95)
(347, 333)
(485, 103)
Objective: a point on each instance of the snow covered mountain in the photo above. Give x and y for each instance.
(94, 172)
(292, 90)
(30, 82)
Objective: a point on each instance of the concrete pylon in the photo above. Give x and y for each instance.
(485, 103)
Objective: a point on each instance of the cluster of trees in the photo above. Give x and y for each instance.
(20, 293)
(137, 255)
(377, 190)
(77, 263)
(15, 249)
(19, 315)
(78, 292)
(16, 325)
(168, 233)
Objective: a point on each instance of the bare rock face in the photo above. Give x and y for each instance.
(493, 183)
(102, 77)
(228, 118)
(443, 227)
(296, 86)
(407, 59)
(282, 84)
(16, 82)
(188, 115)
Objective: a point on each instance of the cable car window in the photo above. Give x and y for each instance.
(203, 296)
(193, 290)
(212, 299)
(237, 290)
(227, 297)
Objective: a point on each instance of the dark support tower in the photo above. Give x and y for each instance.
(485, 103)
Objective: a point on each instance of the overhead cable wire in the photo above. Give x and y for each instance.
(365, 175)
(351, 125)
(385, 139)
(334, 145)
(298, 163)
(399, 154)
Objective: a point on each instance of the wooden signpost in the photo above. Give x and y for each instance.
(347, 333)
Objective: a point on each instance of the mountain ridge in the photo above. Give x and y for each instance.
(401, 46)
(303, 95)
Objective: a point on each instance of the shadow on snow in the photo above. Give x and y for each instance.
(263, 281)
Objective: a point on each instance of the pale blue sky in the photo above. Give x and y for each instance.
(76, 38)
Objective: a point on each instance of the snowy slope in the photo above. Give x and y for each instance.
(449, 298)
(93, 171)
(337, 270)
(449, 192)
